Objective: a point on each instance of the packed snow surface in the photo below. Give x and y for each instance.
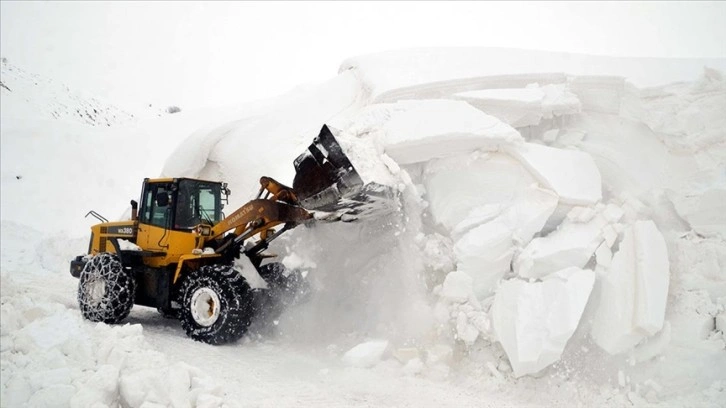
(558, 238)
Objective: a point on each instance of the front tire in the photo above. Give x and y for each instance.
(105, 290)
(216, 304)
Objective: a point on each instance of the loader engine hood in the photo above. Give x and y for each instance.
(326, 181)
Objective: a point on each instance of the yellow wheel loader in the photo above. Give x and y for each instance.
(177, 252)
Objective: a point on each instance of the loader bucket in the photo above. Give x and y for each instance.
(326, 181)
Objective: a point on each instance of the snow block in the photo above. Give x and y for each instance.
(366, 354)
(534, 321)
(529, 212)
(420, 130)
(460, 188)
(634, 291)
(521, 107)
(456, 287)
(573, 244)
(703, 211)
(485, 254)
(518, 107)
(571, 174)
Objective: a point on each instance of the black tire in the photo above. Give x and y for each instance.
(289, 287)
(105, 290)
(286, 288)
(216, 304)
(168, 313)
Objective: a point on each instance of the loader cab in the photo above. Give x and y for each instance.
(181, 204)
(169, 211)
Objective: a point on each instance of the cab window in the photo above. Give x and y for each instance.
(151, 212)
(197, 203)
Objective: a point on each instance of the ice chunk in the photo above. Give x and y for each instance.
(571, 174)
(633, 293)
(421, 130)
(366, 354)
(534, 321)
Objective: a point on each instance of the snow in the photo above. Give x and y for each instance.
(704, 211)
(573, 244)
(57, 359)
(522, 107)
(485, 253)
(633, 291)
(534, 321)
(571, 174)
(400, 74)
(421, 130)
(366, 354)
(456, 287)
(460, 188)
(126, 245)
(584, 208)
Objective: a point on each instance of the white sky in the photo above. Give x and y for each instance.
(200, 54)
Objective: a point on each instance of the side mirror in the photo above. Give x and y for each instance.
(162, 199)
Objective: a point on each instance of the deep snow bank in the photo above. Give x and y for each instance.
(52, 357)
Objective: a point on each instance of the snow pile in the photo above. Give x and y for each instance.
(51, 357)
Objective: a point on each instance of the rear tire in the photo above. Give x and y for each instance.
(105, 290)
(216, 304)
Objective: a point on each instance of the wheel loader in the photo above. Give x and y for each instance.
(178, 251)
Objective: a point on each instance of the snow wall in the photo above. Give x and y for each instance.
(537, 209)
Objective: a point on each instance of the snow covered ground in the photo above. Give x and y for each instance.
(560, 238)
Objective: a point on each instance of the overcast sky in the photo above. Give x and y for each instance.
(200, 54)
